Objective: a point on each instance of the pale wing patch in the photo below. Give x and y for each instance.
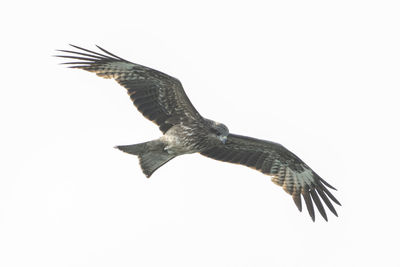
(291, 181)
(116, 70)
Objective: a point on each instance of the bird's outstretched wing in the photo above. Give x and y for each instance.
(158, 96)
(285, 168)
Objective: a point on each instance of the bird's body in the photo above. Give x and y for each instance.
(181, 139)
(161, 99)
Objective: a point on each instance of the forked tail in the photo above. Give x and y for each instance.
(151, 155)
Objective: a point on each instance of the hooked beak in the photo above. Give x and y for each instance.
(223, 139)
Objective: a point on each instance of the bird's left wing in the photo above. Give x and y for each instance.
(285, 168)
(158, 96)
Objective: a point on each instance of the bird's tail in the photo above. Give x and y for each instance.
(151, 155)
(135, 149)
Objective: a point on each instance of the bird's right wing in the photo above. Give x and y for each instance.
(285, 168)
(158, 96)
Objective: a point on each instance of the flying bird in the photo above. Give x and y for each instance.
(162, 99)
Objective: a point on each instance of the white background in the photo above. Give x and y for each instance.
(320, 77)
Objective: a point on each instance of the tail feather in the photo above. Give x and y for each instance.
(135, 149)
(151, 161)
(151, 156)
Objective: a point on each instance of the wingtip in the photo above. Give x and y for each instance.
(297, 201)
(75, 46)
(111, 54)
(327, 184)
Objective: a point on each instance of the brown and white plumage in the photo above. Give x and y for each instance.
(285, 168)
(158, 96)
(161, 99)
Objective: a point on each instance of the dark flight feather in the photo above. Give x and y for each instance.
(286, 169)
(163, 93)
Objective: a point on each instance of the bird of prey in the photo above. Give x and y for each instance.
(162, 99)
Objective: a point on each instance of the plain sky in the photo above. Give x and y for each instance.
(320, 77)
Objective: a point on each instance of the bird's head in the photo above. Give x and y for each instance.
(220, 130)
